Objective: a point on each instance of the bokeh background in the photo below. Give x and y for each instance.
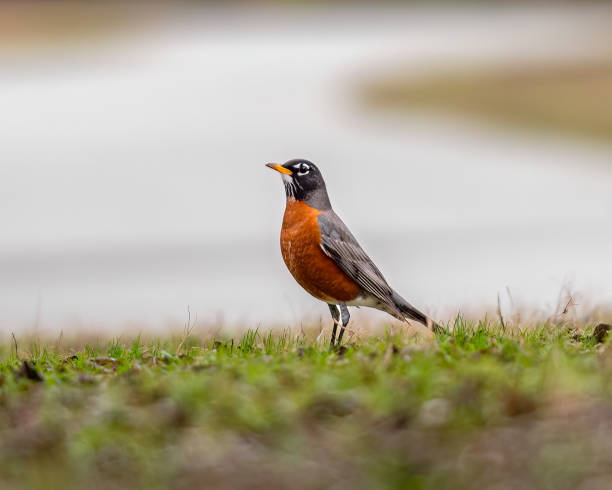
(467, 145)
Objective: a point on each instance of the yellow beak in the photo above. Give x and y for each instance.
(279, 168)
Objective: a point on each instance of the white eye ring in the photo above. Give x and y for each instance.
(303, 169)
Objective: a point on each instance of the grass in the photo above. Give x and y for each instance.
(478, 407)
(571, 98)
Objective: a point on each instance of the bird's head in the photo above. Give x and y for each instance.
(303, 182)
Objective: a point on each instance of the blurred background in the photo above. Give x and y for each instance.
(467, 145)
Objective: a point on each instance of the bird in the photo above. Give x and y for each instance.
(325, 258)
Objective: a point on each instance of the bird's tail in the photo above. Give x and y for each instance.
(408, 312)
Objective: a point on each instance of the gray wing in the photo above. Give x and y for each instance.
(341, 246)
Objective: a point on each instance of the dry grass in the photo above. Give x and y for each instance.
(40, 24)
(574, 99)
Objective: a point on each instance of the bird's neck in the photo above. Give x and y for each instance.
(317, 199)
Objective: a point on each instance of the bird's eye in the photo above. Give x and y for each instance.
(303, 169)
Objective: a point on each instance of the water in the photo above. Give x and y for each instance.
(132, 182)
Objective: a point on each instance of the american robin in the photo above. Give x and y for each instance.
(325, 258)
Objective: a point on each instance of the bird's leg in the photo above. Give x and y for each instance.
(335, 313)
(345, 319)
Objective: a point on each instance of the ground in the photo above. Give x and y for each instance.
(568, 98)
(478, 407)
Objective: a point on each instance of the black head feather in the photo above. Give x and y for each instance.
(306, 184)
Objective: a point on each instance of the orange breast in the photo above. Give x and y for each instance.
(302, 253)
